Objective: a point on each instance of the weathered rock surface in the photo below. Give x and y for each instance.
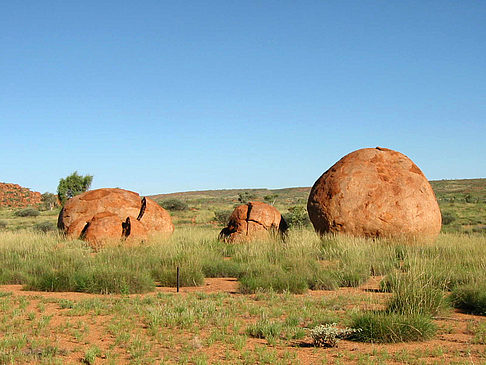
(16, 196)
(112, 214)
(253, 220)
(375, 192)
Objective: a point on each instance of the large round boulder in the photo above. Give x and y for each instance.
(375, 192)
(252, 221)
(108, 214)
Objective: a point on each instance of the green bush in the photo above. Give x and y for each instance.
(222, 216)
(328, 335)
(297, 217)
(386, 327)
(174, 205)
(3, 224)
(45, 226)
(470, 298)
(27, 212)
(447, 218)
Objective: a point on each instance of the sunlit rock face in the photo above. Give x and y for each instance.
(252, 221)
(109, 214)
(375, 192)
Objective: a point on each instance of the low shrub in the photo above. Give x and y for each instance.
(3, 224)
(174, 205)
(297, 217)
(45, 227)
(27, 212)
(447, 218)
(470, 298)
(386, 327)
(222, 216)
(328, 335)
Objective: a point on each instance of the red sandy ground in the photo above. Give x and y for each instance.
(456, 346)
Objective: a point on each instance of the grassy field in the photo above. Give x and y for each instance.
(258, 302)
(307, 299)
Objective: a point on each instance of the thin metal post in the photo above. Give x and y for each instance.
(178, 282)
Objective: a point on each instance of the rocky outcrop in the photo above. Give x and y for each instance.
(103, 215)
(375, 192)
(16, 196)
(252, 221)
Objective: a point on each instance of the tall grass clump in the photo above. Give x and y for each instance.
(356, 259)
(470, 298)
(386, 327)
(416, 293)
(291, 265)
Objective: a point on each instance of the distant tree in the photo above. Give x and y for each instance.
(245, 197)
(73, 185)
(49, 200)
(271, 198)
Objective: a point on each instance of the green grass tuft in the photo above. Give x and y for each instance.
(386, 327)
(470, 298)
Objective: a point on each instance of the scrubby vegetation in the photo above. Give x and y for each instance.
(268, 272)
(27, 212)
(283, 289)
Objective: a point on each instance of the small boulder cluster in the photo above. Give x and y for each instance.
(104, 215)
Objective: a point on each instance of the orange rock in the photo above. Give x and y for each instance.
(103, 214)
(375, 192)
(253, 220)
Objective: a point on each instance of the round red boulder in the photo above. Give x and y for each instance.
(375, 192)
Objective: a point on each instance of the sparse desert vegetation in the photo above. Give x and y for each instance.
(265, 301)
(243, 303)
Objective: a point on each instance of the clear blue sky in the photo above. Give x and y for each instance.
(164, 96)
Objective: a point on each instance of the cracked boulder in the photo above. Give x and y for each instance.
(108, 215)
(252, 221)
(375, 192)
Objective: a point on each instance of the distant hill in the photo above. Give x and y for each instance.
(444, 189)
(16, 196)
(462, 203)
(289, 196)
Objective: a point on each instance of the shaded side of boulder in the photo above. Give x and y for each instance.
(253, 220)
(375, 192)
